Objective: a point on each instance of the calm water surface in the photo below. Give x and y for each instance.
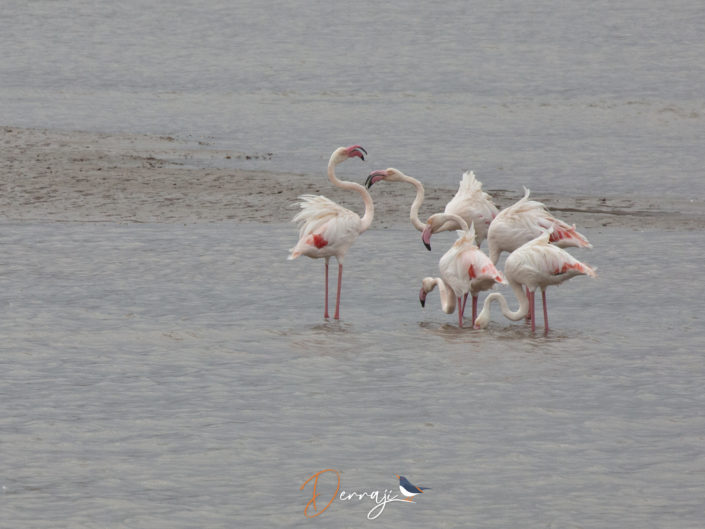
(183, 376)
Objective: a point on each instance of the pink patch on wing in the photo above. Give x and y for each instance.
(318, 241)
(561, 233)
(568, 266)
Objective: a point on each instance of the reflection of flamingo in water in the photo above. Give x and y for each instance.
(464, 267)
(525, 220)
(536, 264)
(327, 229)
(470, 203)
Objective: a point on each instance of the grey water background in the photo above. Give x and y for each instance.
(576, 97)
(168, 375)
(183, 376)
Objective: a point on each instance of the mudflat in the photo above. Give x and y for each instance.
(68, 176)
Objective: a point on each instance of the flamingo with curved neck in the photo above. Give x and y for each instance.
(525, 220)
(464, 267)
(395, 175)
(470, 203)
(534, 265)
(327, 229)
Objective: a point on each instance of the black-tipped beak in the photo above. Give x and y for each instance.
(373, 177)
(360, 150)
(423, 302)
(426, 237)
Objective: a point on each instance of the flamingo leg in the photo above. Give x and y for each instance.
(460, 312)
(325, 313)
(532, 311)
(474, 309)
(545, 310)
(465, 300)
(528, 295)
(337, 298)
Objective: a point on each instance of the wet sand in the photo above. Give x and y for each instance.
(63, 176)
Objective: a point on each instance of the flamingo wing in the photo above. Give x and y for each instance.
(473, 204)
(326, 228)
(479, 267)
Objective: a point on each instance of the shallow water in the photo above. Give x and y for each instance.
(597, 98)
(180, 376)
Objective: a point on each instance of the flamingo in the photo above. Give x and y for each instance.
(524, 221)
(535, 264)
(470, 203)
(327, 229)
(464, 267)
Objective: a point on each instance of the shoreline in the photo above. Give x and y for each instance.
(65, 176)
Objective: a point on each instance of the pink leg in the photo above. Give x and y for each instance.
(533, 312)
(545, 311)
(325, 313)
(474, 309)
(465, 300)
(528, 295)
(337, 298)
(460, 311)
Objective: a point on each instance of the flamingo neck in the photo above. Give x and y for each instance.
(366, 219)
(416, 204)
(447, 296)
(494, 251)
(452, 217)
(516, 315)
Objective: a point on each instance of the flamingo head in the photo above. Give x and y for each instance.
(356, 150)
(482, 319)
(390, 175)
(343, 153)
(427, 285)
(433, 225)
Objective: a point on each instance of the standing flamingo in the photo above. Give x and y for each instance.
(327, 229)
(536, 264)
(470, 203)
(464, 267)
(525, 220)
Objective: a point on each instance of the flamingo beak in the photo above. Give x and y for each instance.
(422, 297)
(426, 237)
(357, 150)
(374, 177)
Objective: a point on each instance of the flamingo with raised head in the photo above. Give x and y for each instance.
(525, 220)
(470, 203)
(536, 264)
(464, 267)
(327, 229)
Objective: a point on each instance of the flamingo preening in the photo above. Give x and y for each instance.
(464, 267)
(327, 229)
(525, 220)
(470, 203)
(536, 264)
